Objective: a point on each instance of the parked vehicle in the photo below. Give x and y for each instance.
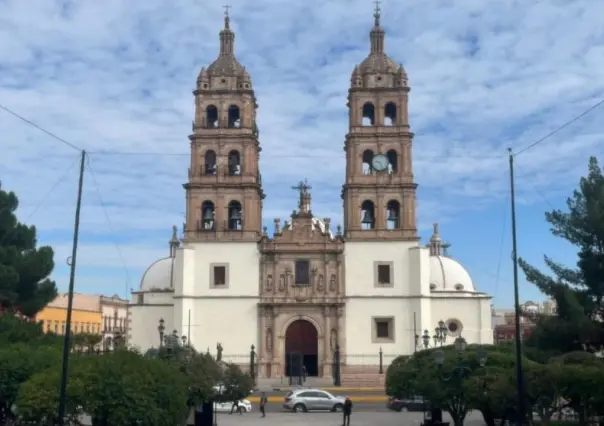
(414, 403)
(225, 407)
(306, 399)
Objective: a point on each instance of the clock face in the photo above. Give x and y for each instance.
(380, 162)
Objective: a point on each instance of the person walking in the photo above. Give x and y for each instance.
(347, 412)
(263, 401)
(236, 407)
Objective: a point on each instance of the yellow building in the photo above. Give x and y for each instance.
(86, 314)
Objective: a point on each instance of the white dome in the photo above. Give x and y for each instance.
(447, 274)
(158, 276)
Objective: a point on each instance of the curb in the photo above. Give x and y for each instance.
(279, 399)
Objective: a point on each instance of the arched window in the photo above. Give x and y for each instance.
(367, 159)
(234, 117)
(208, 216)
(392, 161)
(390, 114)
(210, 163)
(234, 163)
(367, 215)
(211, 116)
(368, 114)
(235, 217)
(393, 214)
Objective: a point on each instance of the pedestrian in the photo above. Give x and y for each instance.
(347, 411)
(235, 407)
(263, 401)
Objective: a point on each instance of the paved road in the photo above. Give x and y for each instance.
(334, 419)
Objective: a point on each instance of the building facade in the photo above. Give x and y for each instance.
(114, 314)
(85, 316)
(504, 320)
(305, 288)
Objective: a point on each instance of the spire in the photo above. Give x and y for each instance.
(435, 242)
(227, 37)
(174, 242)
(377, 33)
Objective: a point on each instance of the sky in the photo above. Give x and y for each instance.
(116, 77)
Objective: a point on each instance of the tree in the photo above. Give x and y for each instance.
(24, 269)
(202, 373)
(578, 292)
(18, 363)
(121, 388)
(234, 383)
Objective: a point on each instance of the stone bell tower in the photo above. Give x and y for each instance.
(379, 193)
(224, 191)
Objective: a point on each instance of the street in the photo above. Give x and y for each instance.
(365, 418)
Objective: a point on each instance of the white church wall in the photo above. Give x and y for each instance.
(184, 271)
(362, 345)
(143, 323)
(231, 321)
(419, 271)
(243, 269)
(361, 271)
(473, 314)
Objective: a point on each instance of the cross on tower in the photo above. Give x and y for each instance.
(226, 9)
(302, 186)
(377, 7)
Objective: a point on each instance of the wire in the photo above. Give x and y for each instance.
(568, 123)
(535, 188)
(119, 251)
(54, 186)
(31, 123)
(421, 157)
(503, 228)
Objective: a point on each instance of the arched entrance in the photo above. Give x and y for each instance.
(301, 348)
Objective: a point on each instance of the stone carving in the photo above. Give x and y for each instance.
(269, 283)
(269, 339)
(218, 352)
(333, 339)
(332, 283)
(320, 283)
(282, 282)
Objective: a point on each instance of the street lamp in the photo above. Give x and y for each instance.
(440, 333)
(161, 328)
(460, 371)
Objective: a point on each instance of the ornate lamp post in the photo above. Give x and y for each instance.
(161, 328)
(440, 333)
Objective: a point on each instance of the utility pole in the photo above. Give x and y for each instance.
(72, 263)
(519, 373)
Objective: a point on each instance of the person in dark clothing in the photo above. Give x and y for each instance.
(263, 401)
(236, 407)
(347, 411)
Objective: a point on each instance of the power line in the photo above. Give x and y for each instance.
(568, 123)
(31, 123)
(37, 207)
(119, 251)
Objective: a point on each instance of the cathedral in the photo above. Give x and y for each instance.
(368, 287)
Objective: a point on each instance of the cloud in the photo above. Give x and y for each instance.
(118, 76)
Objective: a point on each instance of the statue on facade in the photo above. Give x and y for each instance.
(320, 283)
(269, 339)
(282, 282)
(332, 283)
(333, 339)
(218, 352)
(269, 283)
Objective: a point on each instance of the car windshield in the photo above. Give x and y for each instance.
(288, 394)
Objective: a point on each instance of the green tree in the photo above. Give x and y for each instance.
(24, 269)
(578, 292)
(234, 383)
(203, 374)
(18, 363)
(121, 388)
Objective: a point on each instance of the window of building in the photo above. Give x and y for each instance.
(302, 272)
(219, 275)
(383, 330)
(383, 274)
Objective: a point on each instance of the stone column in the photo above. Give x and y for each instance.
(262, 353)
(326, 341)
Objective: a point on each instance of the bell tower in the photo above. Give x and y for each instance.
(224, 190)
(379, 193)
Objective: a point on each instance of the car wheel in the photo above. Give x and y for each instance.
(299, 408)
(338, 408)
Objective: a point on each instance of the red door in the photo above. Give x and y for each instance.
(301, 337)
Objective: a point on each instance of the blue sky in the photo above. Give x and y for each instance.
(117, 76)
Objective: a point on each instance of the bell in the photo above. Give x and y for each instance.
(208, 215)
(367, 217)
(392, 215)
(210, 168)
(235, 214)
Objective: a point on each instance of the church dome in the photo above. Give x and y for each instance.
(158, 276)
(378, 63)
(227, 66)
(447, 274)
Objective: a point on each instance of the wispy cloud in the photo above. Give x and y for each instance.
(118, 76)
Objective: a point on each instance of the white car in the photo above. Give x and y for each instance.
(225, 407)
